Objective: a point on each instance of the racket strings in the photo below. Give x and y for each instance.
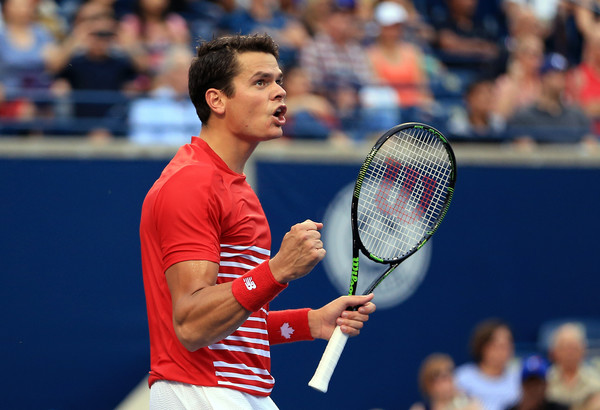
(403, 193)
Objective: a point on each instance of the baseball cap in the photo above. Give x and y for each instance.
(554, 62)
(389, 13)
(534, 366)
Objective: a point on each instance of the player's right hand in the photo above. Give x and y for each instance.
(301, 249)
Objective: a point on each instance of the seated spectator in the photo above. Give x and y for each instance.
(150, 31)
(490, 378)
(520, 85)
(585, 81)
(88, 17)
(27, 59)
(436, 382)
(552, 21)
(586, 16)
(477, 121)
(315, 14)
(570, 380)
(534, 386)
(263, 16)
(14, 114)
(338, 66)
(309, 116)
(97, 74)
(549, 119)
(464, 40)
(563, 35)
(397, 63)
(591, 402)
(166, 116)
(521, 22)
(543, 10)
(418, 28)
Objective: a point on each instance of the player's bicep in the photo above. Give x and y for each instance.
(186, 278)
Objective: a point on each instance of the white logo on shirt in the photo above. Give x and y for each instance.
(286, 330)
(249, 283)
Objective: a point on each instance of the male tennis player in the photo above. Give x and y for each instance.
(208, 275)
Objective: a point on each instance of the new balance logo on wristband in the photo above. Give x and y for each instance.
(249, 283)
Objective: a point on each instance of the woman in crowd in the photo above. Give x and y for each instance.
(490, 378)
(436, 381)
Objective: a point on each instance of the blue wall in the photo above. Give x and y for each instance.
(518, 243)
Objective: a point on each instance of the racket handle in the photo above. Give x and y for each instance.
(320, 380)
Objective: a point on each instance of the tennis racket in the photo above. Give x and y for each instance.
(402, 193)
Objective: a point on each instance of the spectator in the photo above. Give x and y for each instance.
(315, 16)
(338, 65)
(549, 119)
(166, 116)
(564, 36)
(585, 81)
(396, 62)
(89, 17)
(491, 379)
(309, 116)
(522, 22)
(150, 31)
(570, 381)
(586, 16)
(534, 386)
(591, 402)
(27, 59)
(418, 29)
(477, 121)
(544, 10)
(464, 40)
(102, 68)
(436, 382)
(520, 85)
(264, 16)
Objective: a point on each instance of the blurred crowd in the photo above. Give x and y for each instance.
(562, 374)
(519, 71)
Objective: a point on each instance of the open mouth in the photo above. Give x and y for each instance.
(280, 112)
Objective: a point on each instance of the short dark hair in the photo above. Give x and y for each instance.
(483, 334)
(216, 64)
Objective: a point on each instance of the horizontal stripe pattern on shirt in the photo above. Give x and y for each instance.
(244, 355)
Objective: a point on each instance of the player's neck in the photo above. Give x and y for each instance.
(233, 151)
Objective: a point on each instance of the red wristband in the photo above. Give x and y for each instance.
(256, 288)
(288, 326)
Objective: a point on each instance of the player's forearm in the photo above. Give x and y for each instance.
(213, 312)
(207, 316)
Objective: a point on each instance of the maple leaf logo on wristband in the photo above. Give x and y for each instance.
(286, 330)
(249, 283)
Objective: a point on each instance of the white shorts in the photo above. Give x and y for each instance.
(169, 395)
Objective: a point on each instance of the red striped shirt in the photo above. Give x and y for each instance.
(201, 210)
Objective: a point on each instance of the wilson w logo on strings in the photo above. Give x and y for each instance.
(413, 185)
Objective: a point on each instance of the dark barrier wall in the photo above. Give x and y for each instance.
(518, 243)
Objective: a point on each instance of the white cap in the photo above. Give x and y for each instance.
(389, 13)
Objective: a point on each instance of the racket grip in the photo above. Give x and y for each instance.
(320, 380)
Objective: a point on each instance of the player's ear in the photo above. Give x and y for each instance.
(215, 100)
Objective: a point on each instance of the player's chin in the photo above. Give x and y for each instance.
(274, 132)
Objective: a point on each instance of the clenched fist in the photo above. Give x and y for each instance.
(301, 249)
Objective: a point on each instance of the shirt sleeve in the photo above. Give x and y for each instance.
(188, 213)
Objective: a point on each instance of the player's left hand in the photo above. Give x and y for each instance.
(323, 321)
